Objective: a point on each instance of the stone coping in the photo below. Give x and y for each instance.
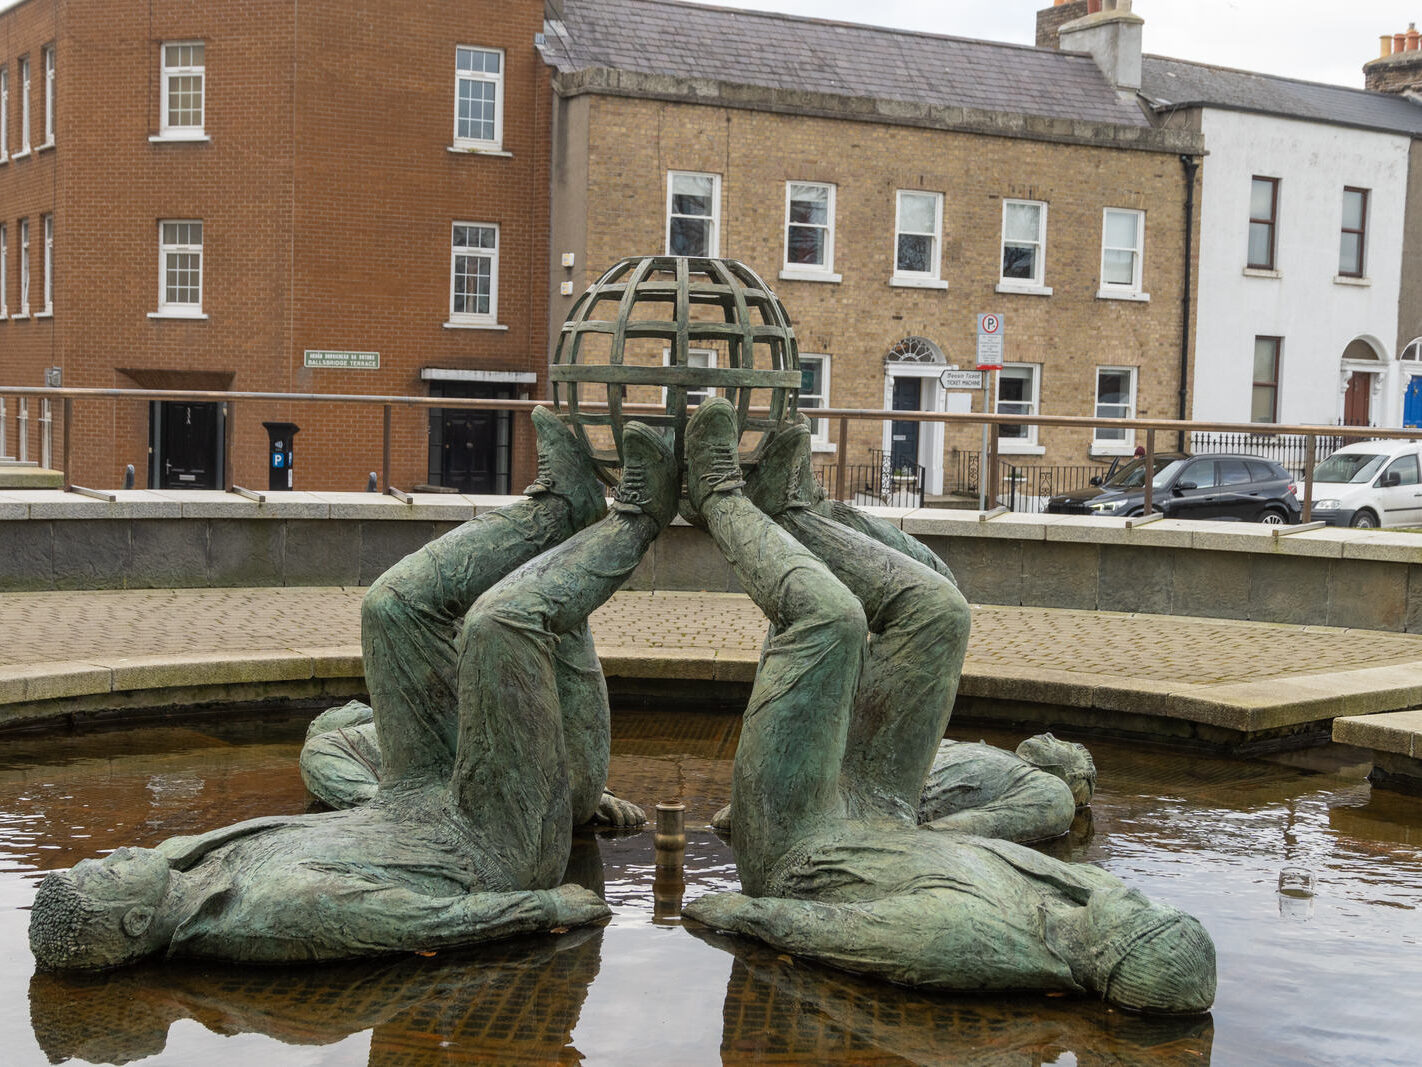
(1397, 732)
(1205, 535)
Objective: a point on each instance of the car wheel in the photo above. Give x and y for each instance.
(1364, 520)
(1273, 517)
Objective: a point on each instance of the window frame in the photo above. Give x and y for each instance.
(458, 252)
(1273, 384)
(714, 219)
(1361, 232)
(1039, 271)
(47, 59)
(24, 235)
(1127, 441)
(1136, 286)
(1028, 438)
(705, 393)
(819, 428)
(1270, 222)
(4, 272)
(934, 276)
(4, 112)
(814, 271)
(181, 308)
(496, 142)
(167, 130)
(24, 106)
(47, 224)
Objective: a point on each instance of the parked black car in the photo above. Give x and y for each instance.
(1124, 475)
(1225, 487)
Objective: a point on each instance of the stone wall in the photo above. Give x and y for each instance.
(1369, 580)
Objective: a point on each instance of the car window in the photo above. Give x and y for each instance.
(1406, 466)
(1129, 476)
(1201, 472)
(1166, 474)
(1348, 467)
(1263, 472)
(1232, 471)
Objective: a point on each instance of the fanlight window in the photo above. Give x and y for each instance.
(915, 350)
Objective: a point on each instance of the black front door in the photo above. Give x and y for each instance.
(186, 445)
(903, 436)
(470, 450)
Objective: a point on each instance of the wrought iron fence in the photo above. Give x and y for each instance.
(876, 484)
(1027, 489)
(1286, 449)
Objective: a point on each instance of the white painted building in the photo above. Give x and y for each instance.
(1303, 202)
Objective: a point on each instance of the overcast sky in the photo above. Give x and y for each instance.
(1318, 40)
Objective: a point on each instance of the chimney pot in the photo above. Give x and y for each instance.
(1385, 46)
(1412, 37)
(1399, 42)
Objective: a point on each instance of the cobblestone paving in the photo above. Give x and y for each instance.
(105, 625)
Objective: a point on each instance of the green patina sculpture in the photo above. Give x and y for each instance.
(492, 725)
(490, 719)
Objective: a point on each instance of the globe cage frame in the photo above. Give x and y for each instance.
(683, 282)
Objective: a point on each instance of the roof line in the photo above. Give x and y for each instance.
(1371, 94)
(780, 16)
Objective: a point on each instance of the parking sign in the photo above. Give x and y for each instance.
(990, 333)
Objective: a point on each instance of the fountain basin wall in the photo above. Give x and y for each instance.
(147, 539)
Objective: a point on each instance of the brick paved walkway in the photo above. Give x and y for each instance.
(99, 626)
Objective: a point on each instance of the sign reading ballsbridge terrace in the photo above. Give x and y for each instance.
(346, 360)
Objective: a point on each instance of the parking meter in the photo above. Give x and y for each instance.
(280, 453)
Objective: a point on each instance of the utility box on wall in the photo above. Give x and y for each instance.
(280, 454)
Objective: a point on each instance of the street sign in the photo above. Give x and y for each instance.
(961, 379)
(344, 360)
(990, 334)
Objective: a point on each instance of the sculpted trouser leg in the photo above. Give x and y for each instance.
(786, 775)
(511, 766)
(918, 622)
(410, 623)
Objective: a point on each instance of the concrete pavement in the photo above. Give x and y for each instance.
(1220, 683)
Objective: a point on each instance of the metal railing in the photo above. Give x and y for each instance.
(841, 417)
(1287, 450)
(875, 484)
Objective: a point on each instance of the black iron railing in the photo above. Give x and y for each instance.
(1289, 450)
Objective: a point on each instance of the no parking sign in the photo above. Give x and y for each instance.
(990, 333)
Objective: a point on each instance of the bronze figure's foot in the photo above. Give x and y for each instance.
(784, 480)
(650, 480)
(565, 470)
(712, 463)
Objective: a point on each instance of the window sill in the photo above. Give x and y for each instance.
(823, 446)
(477, 150)
(47, 313)
(1343, 279)
(474, 326)
(173, 313)
(21, 155)
(1024, 290)
(48, 146)
(1261, 272)
(18, 317)
(1123, 294)
(1015, 448)
(900, 282)
(810, 276)
(173, 137)
(1112, 451)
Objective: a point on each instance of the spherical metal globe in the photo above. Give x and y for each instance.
(655, 335)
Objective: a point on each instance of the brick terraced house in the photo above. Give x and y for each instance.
(892, 186)
(299, 197)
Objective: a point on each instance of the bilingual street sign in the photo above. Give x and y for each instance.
(961, 379)
(345, 360)
(990, 333)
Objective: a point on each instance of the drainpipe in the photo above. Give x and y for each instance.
(1191, 166)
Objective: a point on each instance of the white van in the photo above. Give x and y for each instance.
(1372, 483)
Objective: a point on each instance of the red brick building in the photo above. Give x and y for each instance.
(321, 197)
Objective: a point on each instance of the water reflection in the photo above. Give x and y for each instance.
(779, 1009)
(516, 1002)
(1326, 982)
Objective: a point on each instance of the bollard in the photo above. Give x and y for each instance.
(128, 476)
(669, 883)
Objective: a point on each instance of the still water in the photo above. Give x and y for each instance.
(1332, 978)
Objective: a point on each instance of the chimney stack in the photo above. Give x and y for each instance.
(1050, 20)
(1398, 69)
(1111, 33)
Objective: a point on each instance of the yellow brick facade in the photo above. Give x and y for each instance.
(625, 147)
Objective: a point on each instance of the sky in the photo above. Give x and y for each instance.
(1316, 40)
